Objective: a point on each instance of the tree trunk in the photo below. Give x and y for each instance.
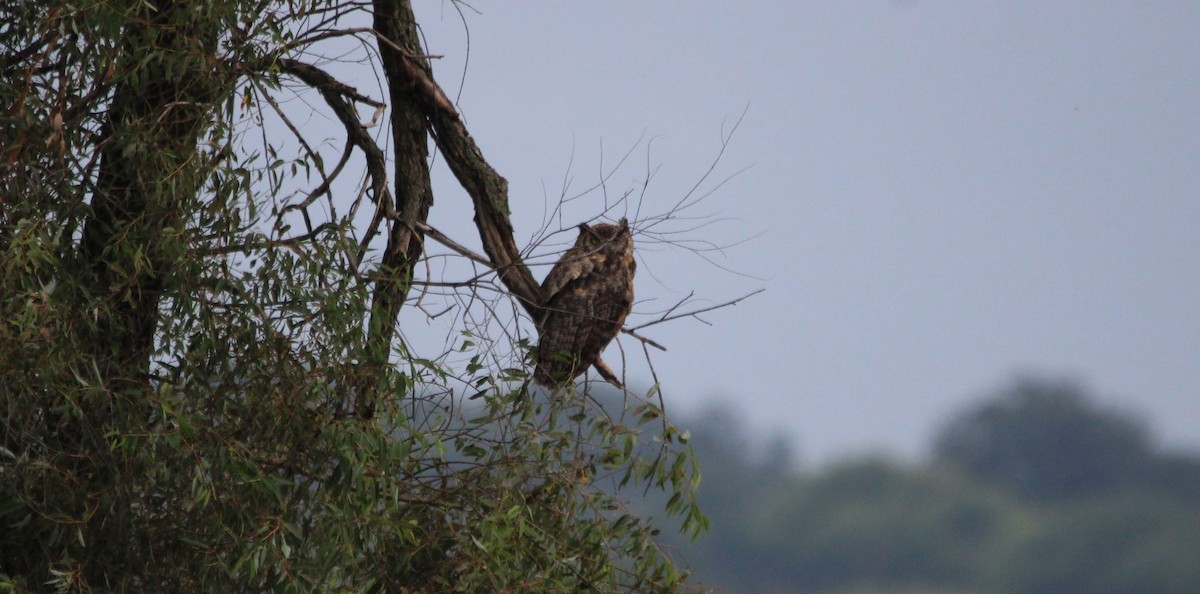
(413, 194)
(149, 178)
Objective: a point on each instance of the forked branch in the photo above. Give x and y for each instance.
(486, 187)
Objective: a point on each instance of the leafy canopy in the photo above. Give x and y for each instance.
(203, 387)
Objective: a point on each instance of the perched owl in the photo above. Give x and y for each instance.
(585, 297)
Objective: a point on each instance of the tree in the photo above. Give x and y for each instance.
(1128, 542)
(203, 382)
(872, 523)
(1047, 441)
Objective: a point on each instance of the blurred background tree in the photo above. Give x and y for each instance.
(1036, 489)
(1046, 441)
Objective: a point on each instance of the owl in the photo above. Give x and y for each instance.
(584, 299)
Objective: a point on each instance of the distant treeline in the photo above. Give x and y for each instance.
(1037, 490)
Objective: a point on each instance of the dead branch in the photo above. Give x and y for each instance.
(644, 340)
(486, 187)
(667, 317)
(412, 84)
(462, 250)
(335, 93)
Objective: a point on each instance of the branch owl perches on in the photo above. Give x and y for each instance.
(585, 299)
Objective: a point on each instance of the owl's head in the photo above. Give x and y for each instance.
(605, 236)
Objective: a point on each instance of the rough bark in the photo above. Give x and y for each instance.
(413, 193)
(487, 188)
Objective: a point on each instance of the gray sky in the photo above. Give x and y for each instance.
(949, 193)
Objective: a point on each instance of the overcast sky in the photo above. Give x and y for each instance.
(948, 193)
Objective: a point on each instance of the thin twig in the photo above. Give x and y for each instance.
(693, 313)
(462, 250)
(633, 333)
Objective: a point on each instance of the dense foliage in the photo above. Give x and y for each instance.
(956, 524)
(202, 385)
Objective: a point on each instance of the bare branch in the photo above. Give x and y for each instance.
(644, 340)
(441, 238)
(667, 317)
(335, 93)
(487, 188)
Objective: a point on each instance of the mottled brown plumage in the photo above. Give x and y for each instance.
(586, 297)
